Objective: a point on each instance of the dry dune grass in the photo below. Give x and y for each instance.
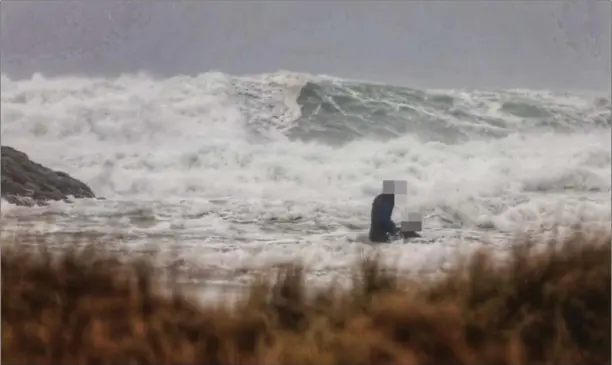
(543, 306)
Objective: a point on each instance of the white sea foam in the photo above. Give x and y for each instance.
(182, 169)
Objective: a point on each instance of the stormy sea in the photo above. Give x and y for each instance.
(221, 175)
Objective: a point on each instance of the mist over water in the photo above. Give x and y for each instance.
(559, 45)
(242, 168)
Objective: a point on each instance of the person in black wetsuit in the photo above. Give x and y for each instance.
(381, 225)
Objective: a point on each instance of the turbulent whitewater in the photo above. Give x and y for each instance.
(232, 173)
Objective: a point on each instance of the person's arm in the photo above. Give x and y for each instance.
(390, 227)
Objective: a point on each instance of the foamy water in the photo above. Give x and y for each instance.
(232, 173)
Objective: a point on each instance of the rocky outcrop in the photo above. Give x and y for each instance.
(25, 182)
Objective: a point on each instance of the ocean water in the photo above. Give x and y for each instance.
(224, 174)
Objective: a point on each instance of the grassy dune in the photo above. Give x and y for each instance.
(549, 304)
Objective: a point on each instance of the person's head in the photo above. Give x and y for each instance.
(395, 187)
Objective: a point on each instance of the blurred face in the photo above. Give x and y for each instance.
(395, 187)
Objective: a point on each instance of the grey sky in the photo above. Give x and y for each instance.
(560, 45)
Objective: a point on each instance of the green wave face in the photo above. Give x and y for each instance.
(338, 112)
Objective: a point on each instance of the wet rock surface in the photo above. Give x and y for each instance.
(25, 182)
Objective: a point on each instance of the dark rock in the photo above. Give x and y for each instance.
(25, 182)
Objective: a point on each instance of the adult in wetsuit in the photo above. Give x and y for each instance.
(381, 225)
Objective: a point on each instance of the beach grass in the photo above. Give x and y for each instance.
(548, 303)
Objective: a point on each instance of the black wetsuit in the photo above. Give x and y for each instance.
(381, 225)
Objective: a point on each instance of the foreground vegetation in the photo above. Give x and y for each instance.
(543, 306)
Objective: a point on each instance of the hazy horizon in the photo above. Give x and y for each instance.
(552, 45)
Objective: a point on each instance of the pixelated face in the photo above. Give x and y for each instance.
(395, 187)
(412, 222)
